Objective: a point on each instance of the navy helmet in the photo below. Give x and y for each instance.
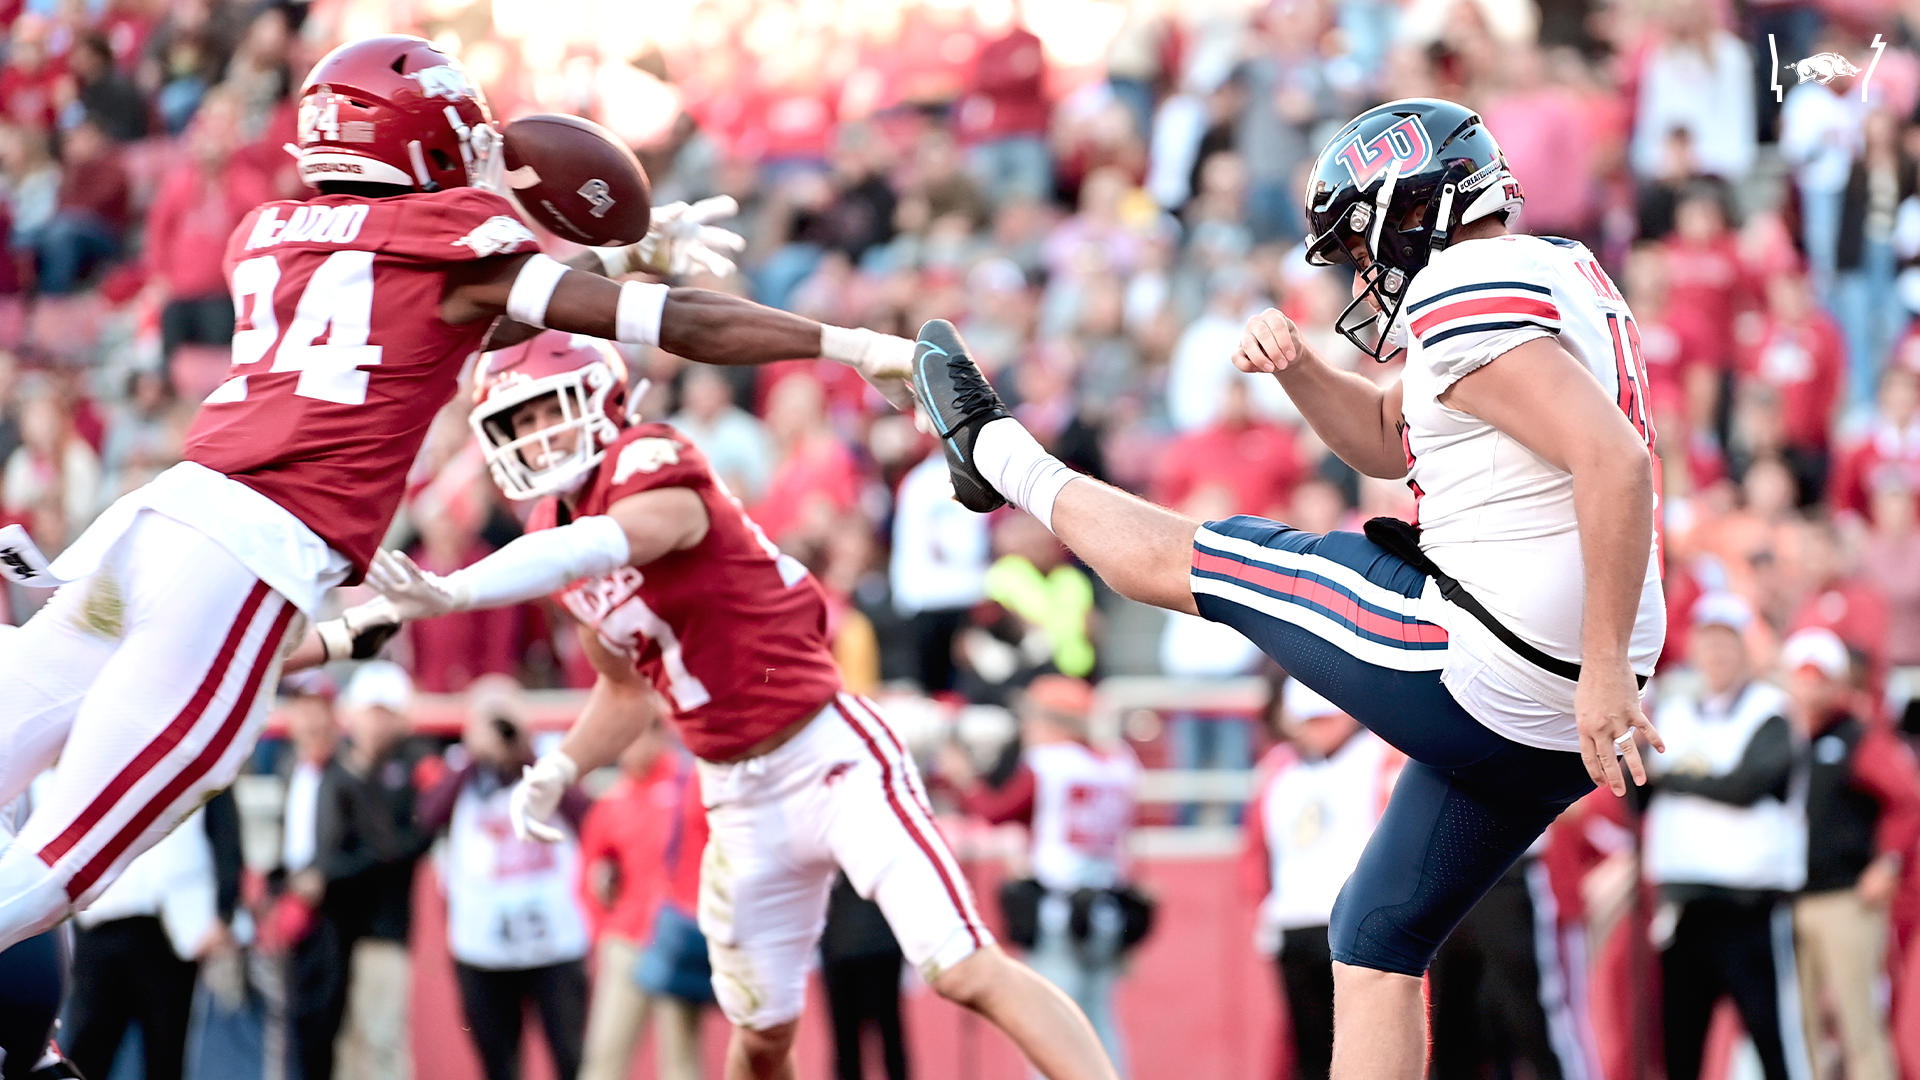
(1393, 186)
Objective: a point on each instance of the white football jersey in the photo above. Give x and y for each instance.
(1492, 513)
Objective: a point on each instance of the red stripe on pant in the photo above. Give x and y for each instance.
(907, 822)
(919, 797)
(169, 737)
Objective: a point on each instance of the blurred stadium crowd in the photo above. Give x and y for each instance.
(1098, 193)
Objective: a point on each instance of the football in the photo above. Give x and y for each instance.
(576, 180)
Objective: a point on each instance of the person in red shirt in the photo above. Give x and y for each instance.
(1670, 342)
(1838, 599)
(197, 207)
(1255, 460)
(685, 605)
(90, 219)
(639, 853)
(28, 81)
(1002, 119)
(1801, 353)
(1706, 288)
(1892, 440)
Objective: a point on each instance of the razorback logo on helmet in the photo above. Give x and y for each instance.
(645, 455)
(496, 234)
(1406, 142)
(444, 80)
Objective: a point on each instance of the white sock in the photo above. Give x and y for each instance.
(1019, 468)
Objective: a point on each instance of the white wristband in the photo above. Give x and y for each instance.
(336, 640)
(637, 321)
(533, 289)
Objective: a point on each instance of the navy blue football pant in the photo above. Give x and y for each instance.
(33, 978)
(1345, 617)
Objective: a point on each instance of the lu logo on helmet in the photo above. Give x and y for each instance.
(1406, 142)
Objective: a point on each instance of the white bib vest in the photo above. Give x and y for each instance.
(510, 903)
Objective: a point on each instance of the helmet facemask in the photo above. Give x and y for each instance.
(1372, 320)
(531, 466)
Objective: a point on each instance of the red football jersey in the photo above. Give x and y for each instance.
(340, 358)
(731, 631)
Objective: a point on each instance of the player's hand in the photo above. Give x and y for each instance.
(415, 593)
(537, 796)
(885, 361)
(682, 239)
(1270, 344)
(360, 631)
(1606, 708)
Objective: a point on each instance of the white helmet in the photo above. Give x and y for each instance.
(590, 381)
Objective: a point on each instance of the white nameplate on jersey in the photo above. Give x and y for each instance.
(496, 234)
(647, 456)
(22, 562)
(310, 223)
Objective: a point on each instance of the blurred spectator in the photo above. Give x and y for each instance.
(1034, 582)
(1544, 131)
(1863, 802)
(136, 955)
(1891, 560)
(367, 842)
(1864, 301)
(860, 964)
(199, 204)
(100, 92)
(184, 57)
(846, 574)
(143, 437)
(1695, 76)
(52, 479)
(734, 441)
(32, 184)
(1801, 354)
(258, 77)
(1255, 461)
(1706, 288)
(1819, 135)
(1002, 119)
(513, 927)
(1202, 362)
(1289, 89)
(938, 570)
(28, 81)
(90, 220)
(453, 650)
(1322, 790)
(640, 848)
(1077, 800)
(316, 975)
(1891, 440)
(814, 477)
(1837, 597)
(1726, 840)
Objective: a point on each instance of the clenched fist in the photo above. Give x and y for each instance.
(1269, 344)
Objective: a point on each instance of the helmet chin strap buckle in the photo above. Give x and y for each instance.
(1442, 225)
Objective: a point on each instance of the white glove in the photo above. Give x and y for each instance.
(885, 361)
(680, 240)
(537, 796)
(359, 631)
(414, 593)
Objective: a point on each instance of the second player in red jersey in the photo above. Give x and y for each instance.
(684, 604)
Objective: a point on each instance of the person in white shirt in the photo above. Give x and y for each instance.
(1324, 789)
(938, 569)
(1820, 128)
(1726, 844)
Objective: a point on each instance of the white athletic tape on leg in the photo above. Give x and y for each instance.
(638, 319)
(533, 290)
(1020, 468)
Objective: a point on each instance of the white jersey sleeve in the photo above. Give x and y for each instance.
(1472, 304)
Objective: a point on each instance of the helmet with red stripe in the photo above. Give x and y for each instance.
(395, 110)
(589, 381)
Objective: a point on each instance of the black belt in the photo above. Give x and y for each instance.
(1401, 539)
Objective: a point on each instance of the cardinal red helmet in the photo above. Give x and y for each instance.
(395, 110)
(590, 382)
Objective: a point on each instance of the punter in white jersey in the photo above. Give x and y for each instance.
(1503, 649)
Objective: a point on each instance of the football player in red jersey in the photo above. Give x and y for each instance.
(683, 604)
(146, 674)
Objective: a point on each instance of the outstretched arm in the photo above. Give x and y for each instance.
(1360, 422)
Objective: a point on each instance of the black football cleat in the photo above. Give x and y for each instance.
(959, 401)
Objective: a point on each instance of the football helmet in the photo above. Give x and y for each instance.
(590, 381)
(395, 110)
(1395, 184)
